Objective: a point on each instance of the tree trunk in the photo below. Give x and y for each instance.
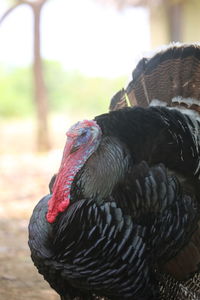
(174, 14)
(175, 21)
(40, 93)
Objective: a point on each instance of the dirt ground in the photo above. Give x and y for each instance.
(24, 178)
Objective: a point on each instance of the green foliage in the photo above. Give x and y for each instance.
(68, 92)
(15, 93)
(73, 92)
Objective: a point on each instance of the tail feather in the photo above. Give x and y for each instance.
(118, 101)
(171, 76)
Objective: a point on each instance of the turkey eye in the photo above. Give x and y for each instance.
(83, 134)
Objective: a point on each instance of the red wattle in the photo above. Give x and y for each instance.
(60, 199)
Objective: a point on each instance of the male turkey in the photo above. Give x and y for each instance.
(122, 219)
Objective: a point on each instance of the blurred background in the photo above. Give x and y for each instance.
(62, 61)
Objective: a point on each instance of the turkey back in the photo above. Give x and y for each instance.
(171, 78)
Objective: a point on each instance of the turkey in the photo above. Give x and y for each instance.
(122, 217)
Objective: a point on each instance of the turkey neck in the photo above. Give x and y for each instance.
(103, 170)
(157, 134)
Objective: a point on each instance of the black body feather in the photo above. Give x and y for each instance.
(133, 240)
(132, 229)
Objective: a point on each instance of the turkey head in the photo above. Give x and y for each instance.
(82, 140)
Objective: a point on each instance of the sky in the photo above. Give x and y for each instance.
(83, 35)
